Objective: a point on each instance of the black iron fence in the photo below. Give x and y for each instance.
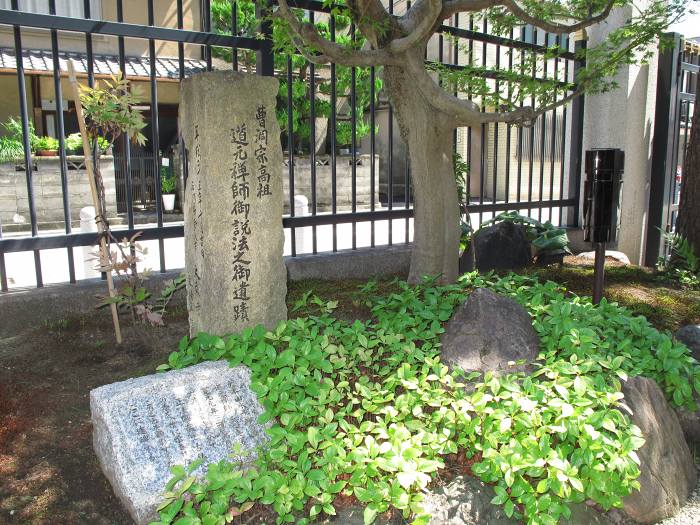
(339, 132)
(679, 70)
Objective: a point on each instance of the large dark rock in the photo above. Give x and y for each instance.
(503, 246)
(488, 332)
(667, 468)
(690, 336)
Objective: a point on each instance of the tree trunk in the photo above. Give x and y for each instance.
(428, 135)
(688, 223)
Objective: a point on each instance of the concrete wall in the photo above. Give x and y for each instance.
(363, 174)
(624, 118)
(48, 194)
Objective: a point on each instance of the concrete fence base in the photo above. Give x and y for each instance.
(22, 309)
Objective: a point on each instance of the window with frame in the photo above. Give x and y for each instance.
(71, 8)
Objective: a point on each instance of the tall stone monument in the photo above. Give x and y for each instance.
(236, 276)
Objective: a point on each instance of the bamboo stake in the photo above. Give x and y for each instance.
(90, 168)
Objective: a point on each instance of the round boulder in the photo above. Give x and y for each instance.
(690, 336)
(667, 468)
(489, 332)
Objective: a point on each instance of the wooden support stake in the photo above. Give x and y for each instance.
(90, 168)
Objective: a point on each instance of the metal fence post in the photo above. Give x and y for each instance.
(265, 60)
(577, 115)
(664, 153)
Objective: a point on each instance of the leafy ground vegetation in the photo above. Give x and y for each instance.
(364, 411)
(48, 470)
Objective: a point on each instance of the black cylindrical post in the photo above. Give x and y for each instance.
(601, 206)
(599, 272)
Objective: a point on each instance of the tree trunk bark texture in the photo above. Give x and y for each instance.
(688, 223)
(429, 136)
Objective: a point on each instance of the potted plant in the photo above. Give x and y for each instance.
(74, 144)
(46, 146)
(167, 187)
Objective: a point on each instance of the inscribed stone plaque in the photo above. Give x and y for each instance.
(234, 239)
(143, 426)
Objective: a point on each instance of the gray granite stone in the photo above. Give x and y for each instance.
(668, 474)
(488, 332)
(234, 239)
(143, 426)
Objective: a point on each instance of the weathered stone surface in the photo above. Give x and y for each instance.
(618, 256)
(464, 501)
(143, 426)
(502, 246)
(467, 501)
(233, 202)
(689, 335)
(690, 423)
(487, 332)
(667, 468)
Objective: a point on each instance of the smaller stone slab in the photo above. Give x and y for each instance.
(143, 426)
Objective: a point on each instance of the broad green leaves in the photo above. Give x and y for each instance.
(367, 410)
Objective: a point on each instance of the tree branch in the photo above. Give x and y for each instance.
(451, 7)
(305, 35)
(526, 115)
(419, 24)
(463, 112)
(553, 27)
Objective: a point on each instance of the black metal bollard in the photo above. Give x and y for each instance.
(601, 206)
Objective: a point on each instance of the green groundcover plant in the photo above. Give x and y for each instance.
(367, 410)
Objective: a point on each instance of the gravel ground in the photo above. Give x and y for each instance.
(690, 513)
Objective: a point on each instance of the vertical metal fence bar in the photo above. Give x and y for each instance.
(553, 144)
(155, 135)
(562, 141)
(3, 268)
(206, 26)
(3, 273)
(290, 151)
(180, 45)
(470, 58)
(407, 176)
(28, 163)
(496, 127)
(234, 32)
(577, 110)
(126, 146)
(509, 128)
(60, 131)
(371, 147)
(543, 142)
(531, 165)
(312, 142)
(88, 46)
(264, 59)
(333, 123)
(390, 160)
(353, 139)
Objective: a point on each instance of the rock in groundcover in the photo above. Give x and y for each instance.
(487, 332)
(667, 467)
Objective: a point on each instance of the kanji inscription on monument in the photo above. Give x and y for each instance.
(236, 276)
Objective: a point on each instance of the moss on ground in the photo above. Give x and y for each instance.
(665, 304)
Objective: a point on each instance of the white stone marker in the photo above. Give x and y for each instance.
(143, 426)
(234, 239)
